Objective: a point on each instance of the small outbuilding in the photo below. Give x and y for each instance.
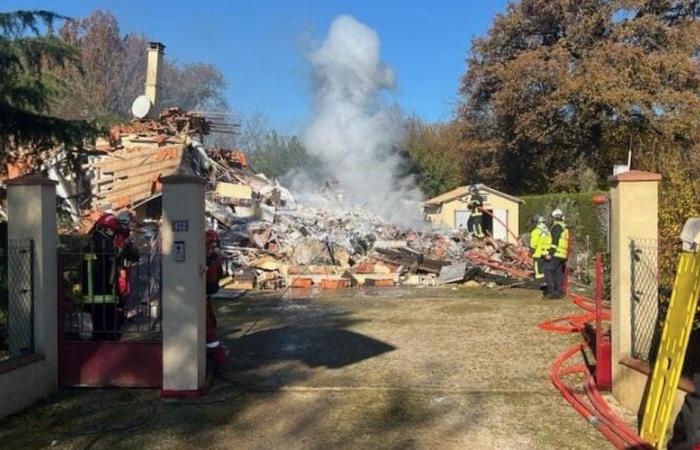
(450, 210)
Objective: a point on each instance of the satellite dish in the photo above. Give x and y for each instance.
(141, 107)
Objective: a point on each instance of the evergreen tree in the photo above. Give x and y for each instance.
(28, 49)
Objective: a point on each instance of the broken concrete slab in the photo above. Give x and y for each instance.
(453, 274)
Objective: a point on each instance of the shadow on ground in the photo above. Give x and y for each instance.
(379, 368)
(314, 346)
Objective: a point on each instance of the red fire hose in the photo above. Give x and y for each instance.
(591, 405)
(574, 323)
(516, 239)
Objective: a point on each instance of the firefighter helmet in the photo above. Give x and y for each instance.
(108, 221)
(558, 214)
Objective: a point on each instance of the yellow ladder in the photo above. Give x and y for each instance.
(674, 339)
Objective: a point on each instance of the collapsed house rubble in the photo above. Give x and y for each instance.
(269, 239)
(272, 241)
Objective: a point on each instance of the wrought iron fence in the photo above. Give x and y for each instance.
(105, 298)
(16, 299)
(645, 298)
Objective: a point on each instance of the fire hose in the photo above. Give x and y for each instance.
(574, 323)
(516, 239)
(590, 404)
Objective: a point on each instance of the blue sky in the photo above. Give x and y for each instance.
(259, 45)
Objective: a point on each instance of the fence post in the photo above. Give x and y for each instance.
(31, 210)
(183, 302)
(634, 213)
(633, 297)
(602, 341)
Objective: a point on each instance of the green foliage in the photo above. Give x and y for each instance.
(582, 217)
(275, 154)
(26, 90)
(435, 153)
(283, 157)
(555, 82)
(577, 178)
(679, 199)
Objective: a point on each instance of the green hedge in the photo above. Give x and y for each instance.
(582, 216)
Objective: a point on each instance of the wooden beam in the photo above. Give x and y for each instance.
(146, 178)
(121, 160)
(143, 169)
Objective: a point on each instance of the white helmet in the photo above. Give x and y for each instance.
(557, 213)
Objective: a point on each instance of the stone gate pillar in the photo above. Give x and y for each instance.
(634, 212)
(184, 266)
(31, 211)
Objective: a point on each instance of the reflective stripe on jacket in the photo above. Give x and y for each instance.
(559, 247)
(543, 244)
(476, 202)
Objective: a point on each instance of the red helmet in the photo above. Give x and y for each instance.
(108, 221)
(211, 236)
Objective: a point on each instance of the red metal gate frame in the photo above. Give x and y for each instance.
(105, 363)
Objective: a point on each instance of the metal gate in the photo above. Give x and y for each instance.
(109, 320)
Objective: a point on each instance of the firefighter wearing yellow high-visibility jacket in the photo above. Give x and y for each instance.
(556, 256)
(540, 241)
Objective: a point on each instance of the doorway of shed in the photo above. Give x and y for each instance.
(496, 227)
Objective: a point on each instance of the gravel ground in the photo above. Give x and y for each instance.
(384, 368)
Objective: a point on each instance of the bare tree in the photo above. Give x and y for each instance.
(112, 74)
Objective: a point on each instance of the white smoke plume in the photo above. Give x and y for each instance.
(353, 128)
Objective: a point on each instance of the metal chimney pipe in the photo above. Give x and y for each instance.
(153, 75)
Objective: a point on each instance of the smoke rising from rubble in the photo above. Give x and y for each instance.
(353, 130)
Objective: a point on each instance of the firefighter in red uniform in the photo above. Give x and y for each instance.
(215, 350)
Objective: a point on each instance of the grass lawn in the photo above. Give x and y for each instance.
(375, 368)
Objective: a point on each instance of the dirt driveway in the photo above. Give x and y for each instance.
(386, 368)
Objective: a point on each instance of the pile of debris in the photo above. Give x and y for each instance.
(269, 239)
(272, 241)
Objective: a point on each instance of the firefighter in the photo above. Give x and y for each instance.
(105, 283)
(475, 205)
(556, 256)
(540, 241)
(215, 351)
(126, 253)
